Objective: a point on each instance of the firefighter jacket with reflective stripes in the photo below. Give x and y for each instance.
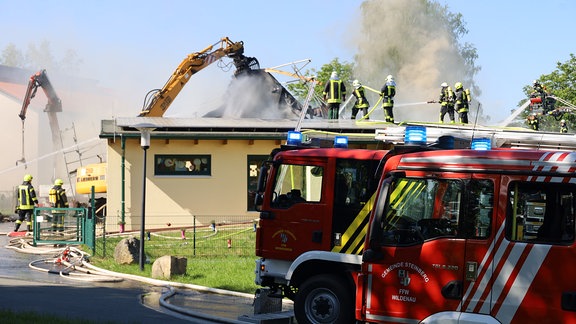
(461, 100)
(388, 92)
(361, 101)
(57, 197)
(446, 97)
(26, 196)
(334, 91)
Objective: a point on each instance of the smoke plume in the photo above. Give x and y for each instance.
(410, 40)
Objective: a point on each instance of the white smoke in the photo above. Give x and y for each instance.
(407, 39)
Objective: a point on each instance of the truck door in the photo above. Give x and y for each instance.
(417, 261)
(533, 275)
(354, 186)
(297, 211)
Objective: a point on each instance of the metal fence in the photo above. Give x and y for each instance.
(229, 236)
(66, 226)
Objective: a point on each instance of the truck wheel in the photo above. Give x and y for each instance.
(324, 299)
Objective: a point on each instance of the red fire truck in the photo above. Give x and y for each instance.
(314, 208)
(467, 236)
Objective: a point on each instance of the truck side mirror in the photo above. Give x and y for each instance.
(371, 255)
(258, 201)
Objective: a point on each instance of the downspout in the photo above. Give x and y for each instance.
(123, 176)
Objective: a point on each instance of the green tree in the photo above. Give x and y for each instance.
(40, 57)
(12, 56)
(344, 70)
(560, 83)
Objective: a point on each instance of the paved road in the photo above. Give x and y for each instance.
(24, 289)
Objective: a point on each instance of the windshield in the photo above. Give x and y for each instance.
(297, 183)
(419, 209)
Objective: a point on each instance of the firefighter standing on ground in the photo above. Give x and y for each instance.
(334, 94)
(361, 101)
(563, 126)
(58, 199)
(27, 200)
(387, 93)
(461, 105)
(446, 102)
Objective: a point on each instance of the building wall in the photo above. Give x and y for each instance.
(221, 197)
(11, 173)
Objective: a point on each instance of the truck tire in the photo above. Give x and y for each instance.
(324, 299)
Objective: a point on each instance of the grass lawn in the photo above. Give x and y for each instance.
(210, 262)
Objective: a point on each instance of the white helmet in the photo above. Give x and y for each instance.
(334, 75)
(444, 85)
(562, 121)
(356, 84)
(389, 77)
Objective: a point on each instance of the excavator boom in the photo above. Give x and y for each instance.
(54, 105)
(40, 79)
(161, 99)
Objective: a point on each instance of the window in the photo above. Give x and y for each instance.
(477, 221)
(540, 212)
(297, 183)
(254, 164)
(354, 182)
(182, 165)
(420, 209)
(354, 185)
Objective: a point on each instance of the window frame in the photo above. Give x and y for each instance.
(203, 162)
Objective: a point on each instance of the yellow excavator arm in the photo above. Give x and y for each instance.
(161, 99)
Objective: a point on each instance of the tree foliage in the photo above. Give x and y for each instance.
(40, 56)
(560, 83)
(344, 70)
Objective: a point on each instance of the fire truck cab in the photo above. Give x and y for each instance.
(314, 208)
(472, 236)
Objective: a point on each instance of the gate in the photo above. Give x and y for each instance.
(64, 226)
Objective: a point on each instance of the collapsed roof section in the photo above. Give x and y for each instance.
(257, 94)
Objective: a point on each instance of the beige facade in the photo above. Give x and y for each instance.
(222, 195)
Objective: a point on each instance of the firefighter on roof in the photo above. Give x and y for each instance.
(533, 122)
(446, 102)
(334, 94)
(58, 199)
(563, 126)
(388, 92)
(461, 105)
(538, 90)
(361, 101)
(27, 200)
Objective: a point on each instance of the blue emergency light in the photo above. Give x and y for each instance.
(294, 138)
(341, 141)
(481, 144)
(415, 135)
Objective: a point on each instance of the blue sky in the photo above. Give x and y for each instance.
(134, 46)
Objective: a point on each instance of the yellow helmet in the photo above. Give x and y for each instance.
(458, 85)
(27, 177)
(58, 182)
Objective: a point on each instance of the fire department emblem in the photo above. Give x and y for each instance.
(283, 238)
(404, 277)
